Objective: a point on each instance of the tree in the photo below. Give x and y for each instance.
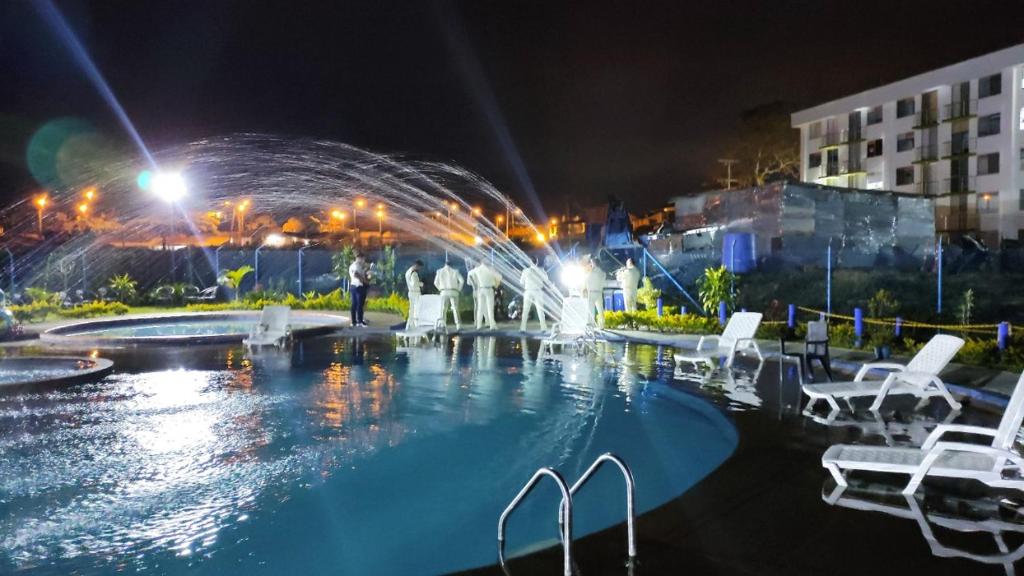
(233, 278)
(386, 276)
(342, 259)
(123, 287)
(766, 146)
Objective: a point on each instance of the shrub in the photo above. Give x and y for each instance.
(123, 287)
(35, 311)
(649, 320)
(393, 303)
(648, 295)
(716, 286)
(93, 309)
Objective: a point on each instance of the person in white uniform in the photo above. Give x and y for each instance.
(449, 282)
(629, 279)
(484, 280)
(594, 288)
(415, 287)
(533, 280)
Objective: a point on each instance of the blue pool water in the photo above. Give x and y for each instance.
(190, 328)
(343, 456)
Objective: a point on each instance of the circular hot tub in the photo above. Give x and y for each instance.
(183, 328)
(23, 371)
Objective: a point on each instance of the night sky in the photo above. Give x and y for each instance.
(597, 98)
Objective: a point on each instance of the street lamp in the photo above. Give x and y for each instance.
(301, 275)
(241, 209)
(40, 206)
(380, 222)
(89, 193)
(216, 261)
(272, 240)
(477, 211)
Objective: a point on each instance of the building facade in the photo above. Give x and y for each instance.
(955, 134)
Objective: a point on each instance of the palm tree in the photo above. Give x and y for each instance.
(233, 278)
(123, 287)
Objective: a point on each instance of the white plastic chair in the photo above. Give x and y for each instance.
(919, 377)
(427, 319)
(985, 463)
(574, 328)
(272, 328)
(737, 337)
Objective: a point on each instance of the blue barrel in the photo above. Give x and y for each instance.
(738, 252)
(618, 303)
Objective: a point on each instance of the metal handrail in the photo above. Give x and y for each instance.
(627, 475)
(564, 508)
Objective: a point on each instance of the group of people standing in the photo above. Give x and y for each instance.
(485, 280)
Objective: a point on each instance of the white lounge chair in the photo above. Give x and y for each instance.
(427, 319)
(985, 463)
(271, 329)
(919, 377)
(981, 516)
(575, 328)
(737, 336)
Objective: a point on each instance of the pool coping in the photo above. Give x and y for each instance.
(101, 367)
(59, 334)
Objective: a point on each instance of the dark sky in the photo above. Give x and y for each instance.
(626, 98)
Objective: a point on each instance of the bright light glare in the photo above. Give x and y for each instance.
(573, 275)
(540, 237)
(274, 240)
(478, 240)
(169, 187)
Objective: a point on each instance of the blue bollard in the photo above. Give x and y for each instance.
(721, 313)
(661, 307)
(743, 309)
(899, 326)
(791, 318)
(1003, 335)
(858, 324)
(682, 310)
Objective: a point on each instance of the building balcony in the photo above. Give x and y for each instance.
(850, 136)
(829, 140)
(852, 167)
(958, 110)
(959, 147)
(926, 153)
(929, 188)
(959, 185)
(926, 118)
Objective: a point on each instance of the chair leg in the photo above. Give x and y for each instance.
(826, 364)
(837, 474)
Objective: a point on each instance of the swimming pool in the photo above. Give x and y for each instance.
(183, 328)
(19, 371)
(343, 456)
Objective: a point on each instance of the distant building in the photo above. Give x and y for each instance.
(955, 134)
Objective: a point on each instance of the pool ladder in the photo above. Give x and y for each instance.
(565, 507)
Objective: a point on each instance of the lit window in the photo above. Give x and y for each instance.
(988, 203)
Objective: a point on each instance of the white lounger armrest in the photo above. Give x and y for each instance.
(943, 429)
(879, 365)
(700, 343)
(941, 448)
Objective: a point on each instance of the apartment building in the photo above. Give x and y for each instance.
(955, 134)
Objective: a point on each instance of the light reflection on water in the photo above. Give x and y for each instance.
(207, 459)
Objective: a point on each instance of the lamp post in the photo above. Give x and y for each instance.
(216, 262)
(41, 201)
(359, 203)
(380, 222)
(274, 240)
(301, 276)
(240, 209)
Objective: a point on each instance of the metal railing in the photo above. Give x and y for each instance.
(926, 153)
(829, 139)
(926, 118)
(959, 109)
(627, 476)
(959, 185)
(565, 507)
(927, 188)
(959, 147)
(848, 135)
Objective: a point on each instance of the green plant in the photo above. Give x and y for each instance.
(966, 309)
(123, 287)
(234, 278)
(342, 259)
(647, 294)
(384, 273)
(716, 285)
(35, 295)
(649, 320)
(93, 309)
(883, 305)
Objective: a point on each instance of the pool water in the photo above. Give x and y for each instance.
(40, 369)
(342, 456)
(190, 328)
